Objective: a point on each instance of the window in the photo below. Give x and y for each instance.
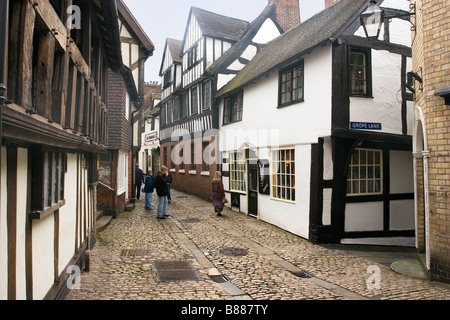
(192, 56)
(163, 114)
(176, 109)
(283, 174)
(194, 100)
(206, 95)
(122, 173)
(185, 105)
(238, 172)
(168, 78)
(360, 73)
(233, 108)
(365, 174)
(48, 175)
(169, 112)
(291, 85)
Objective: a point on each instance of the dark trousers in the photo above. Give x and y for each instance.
(138, 190)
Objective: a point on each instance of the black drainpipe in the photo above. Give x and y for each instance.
(4, 13)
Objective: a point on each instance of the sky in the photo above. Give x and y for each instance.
(168, 18)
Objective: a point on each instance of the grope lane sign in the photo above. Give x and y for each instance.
(365, 126)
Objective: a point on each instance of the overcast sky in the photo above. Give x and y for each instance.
(168, 19)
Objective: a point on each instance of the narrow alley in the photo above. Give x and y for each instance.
(196, 255)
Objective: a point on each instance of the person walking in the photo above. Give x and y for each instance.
(148, 190)
(139, 179)
(218, 193)
(161, 190)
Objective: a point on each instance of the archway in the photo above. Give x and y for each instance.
(421, 202)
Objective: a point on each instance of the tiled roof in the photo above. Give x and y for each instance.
(219, 26)
(315, 31)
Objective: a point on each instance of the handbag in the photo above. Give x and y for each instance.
(224, 200)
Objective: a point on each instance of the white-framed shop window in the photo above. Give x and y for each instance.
(238, 172)
(283, 174)
(365, 173)
(122, 173)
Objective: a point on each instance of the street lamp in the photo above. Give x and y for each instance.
(372, 20)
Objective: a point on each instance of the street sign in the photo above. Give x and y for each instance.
(365, 126)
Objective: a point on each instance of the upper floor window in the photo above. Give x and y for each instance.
(292, 84)
(168, 78)
(233, 108)
(192, 56)
(185, 105)
(360, 72)
(194, 100)
(206, 95)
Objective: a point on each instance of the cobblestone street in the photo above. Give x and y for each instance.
(195, 255)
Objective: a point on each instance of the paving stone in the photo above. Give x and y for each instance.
(195, 234)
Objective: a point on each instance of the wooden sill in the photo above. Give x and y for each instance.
(39, 215)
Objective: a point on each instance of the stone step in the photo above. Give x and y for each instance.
(103, 222)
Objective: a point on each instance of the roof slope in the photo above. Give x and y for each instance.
(316, 31)
(219, 26)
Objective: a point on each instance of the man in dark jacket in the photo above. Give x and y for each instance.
(160, 184)
(139, 179)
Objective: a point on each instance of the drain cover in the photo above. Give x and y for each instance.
(234, 252)
(134, 252)
(192, 220)
(175, 270)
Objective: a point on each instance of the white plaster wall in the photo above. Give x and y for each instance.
(67, 214)
(267, 32)
(367, 216)
(43, 257)
(22, 186)
(402, 215)
(301, 123)
(293, 217)
(3, 232)
(326, 212)
(402, 172)
(385, 107)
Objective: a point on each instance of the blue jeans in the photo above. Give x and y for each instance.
(148, 199)
(162, 206)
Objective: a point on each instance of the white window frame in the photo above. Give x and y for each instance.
(363, 170)
(278, 191)
(122, 173)
(238, 172)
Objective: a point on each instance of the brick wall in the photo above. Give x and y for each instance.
(198, 184)
(330, 2)
(119, 131)
(431, 44)
(288, 13)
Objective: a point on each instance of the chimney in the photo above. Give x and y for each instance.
(330, 2)
(288, 13)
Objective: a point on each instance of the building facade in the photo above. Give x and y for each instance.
(54, 126)
(125, 99)
(321, 142)
(214, 50)
(431, 134)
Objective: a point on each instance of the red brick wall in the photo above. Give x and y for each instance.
(288, 13)
(197, 184)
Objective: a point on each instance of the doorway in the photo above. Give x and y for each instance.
(252, 189)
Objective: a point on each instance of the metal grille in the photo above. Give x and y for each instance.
(175, 270)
